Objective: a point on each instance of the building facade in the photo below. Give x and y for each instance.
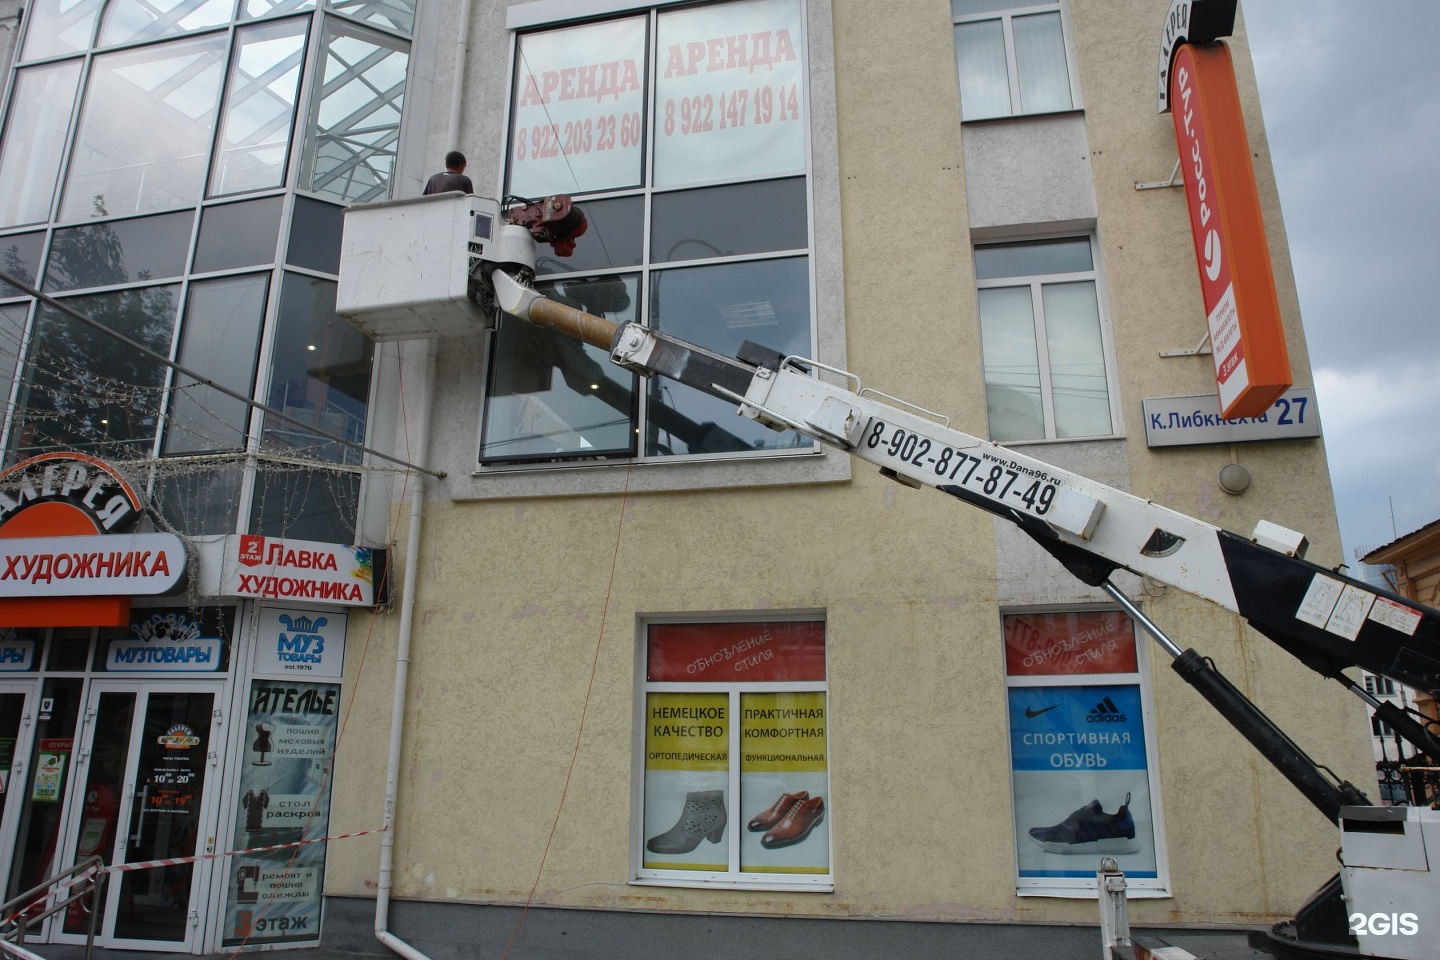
(650, 667)
(1411, 565)
(184, 482)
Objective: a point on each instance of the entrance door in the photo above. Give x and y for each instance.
(17, 726)
(148, 750)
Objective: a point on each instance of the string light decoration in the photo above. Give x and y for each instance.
(196, 450)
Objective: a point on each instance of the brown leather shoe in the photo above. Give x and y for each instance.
(802, 817)
(768, 818)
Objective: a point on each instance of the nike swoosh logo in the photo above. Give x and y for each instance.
(1032, 714)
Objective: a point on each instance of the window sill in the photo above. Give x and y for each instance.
(1132, 892)
(592, 479)
(1054, 440)
(1070, 111)
(823, 885)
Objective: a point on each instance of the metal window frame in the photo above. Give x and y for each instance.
(561, 14)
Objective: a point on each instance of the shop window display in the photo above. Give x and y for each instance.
(735, 764)
(1082, 757)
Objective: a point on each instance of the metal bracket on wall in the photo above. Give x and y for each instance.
(1161, 184)
(1199, 350)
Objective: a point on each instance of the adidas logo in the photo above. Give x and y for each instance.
(1105, 712)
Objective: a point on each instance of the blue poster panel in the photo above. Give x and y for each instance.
(1081, 780)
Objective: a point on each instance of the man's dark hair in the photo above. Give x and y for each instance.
(454, 159)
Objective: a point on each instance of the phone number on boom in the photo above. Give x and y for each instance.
(994, 480)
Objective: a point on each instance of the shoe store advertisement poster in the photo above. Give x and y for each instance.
(717, 736)
(783, 782)
(687, 763)
(284, 793)
(1080, 770)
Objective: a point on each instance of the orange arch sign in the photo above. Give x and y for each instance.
(69, 553)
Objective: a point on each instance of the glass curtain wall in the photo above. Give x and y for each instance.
(175, 175)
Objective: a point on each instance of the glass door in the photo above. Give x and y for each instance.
(147, 752)
(43, 787)
(17, 723)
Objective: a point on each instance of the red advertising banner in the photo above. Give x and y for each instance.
(1069, 644)
(1252, 363)
(748, 652)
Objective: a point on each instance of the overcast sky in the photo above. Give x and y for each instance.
(1351, 96)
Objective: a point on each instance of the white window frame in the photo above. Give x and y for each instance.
(1084, 888)
(1379, 686)
(1007, 17)
(737, 880)
(1036, 282)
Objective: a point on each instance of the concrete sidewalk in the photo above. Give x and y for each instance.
(443, 932)
(1204, 945)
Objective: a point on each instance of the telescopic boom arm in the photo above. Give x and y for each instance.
(1327, 620)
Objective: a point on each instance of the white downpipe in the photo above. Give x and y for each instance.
(412, 558)
(402, 662)
(457, 88)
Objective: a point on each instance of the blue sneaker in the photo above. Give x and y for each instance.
(1090, 830)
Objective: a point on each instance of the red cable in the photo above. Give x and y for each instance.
(584, 709)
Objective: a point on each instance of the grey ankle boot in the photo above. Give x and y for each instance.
(703, 816)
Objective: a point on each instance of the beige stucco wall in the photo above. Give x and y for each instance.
(515, 596)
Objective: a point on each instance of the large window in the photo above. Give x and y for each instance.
(122, 166)
(30, 157)
(259, 107)
(82, 390)
(735, 768)
(683, 135)
(1045, 345)
(1011, 58)
(222, 326)
(355, 123)
(1083, 777)
(320, 378)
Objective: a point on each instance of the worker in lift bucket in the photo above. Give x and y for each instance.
(452, 179)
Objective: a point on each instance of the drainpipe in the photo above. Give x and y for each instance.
(412, 558)
(402, 662)
(457, 89)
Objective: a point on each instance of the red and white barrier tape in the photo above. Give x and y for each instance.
(176, 861)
